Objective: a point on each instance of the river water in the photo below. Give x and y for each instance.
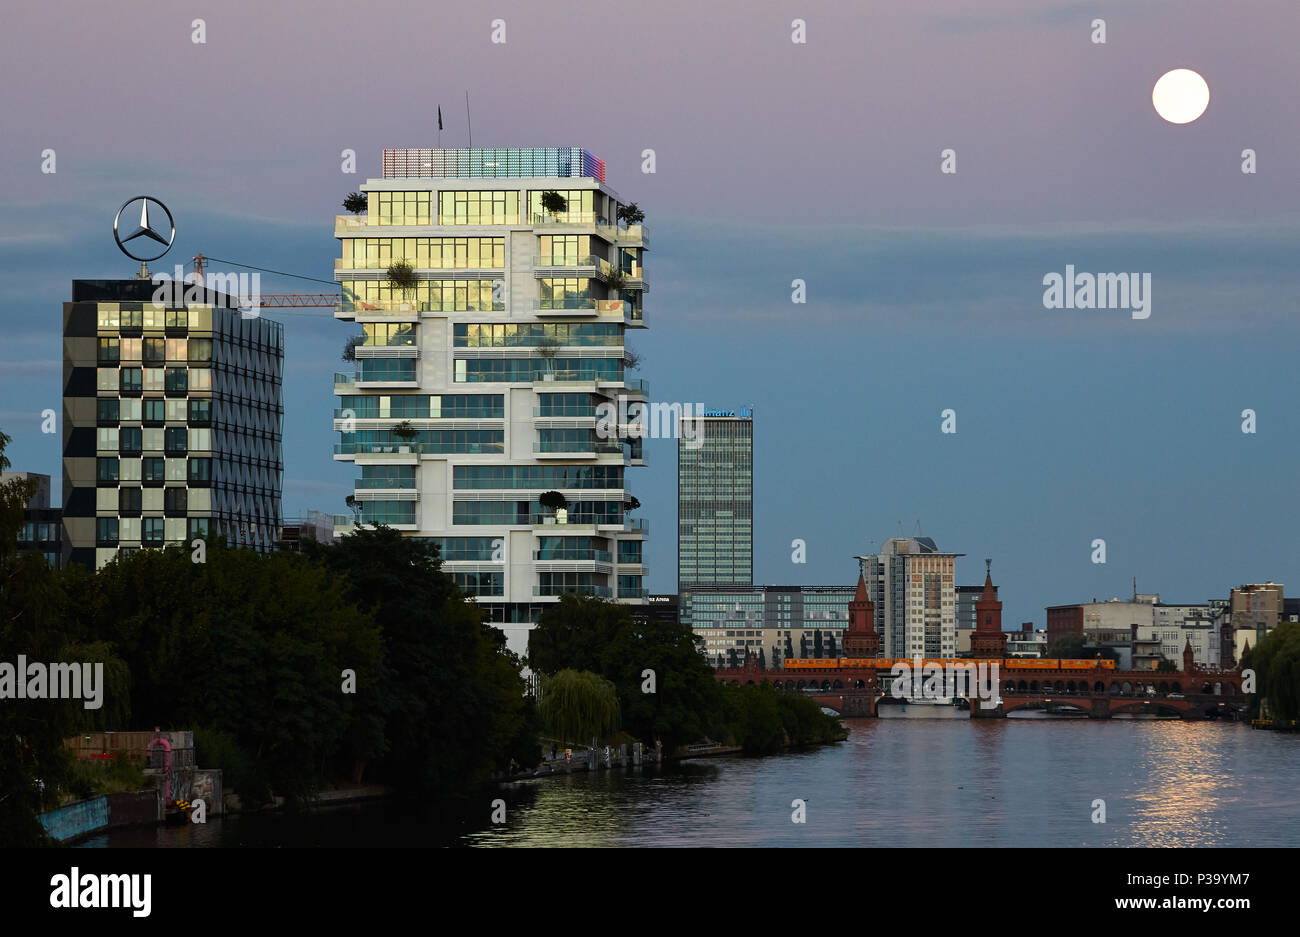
(926, 777)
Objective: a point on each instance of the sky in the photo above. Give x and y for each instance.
(775, 161)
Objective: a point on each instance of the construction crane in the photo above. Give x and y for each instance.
(278, 300)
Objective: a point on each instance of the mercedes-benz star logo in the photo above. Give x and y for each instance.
(145, 229)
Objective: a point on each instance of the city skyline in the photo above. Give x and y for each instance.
(924, 290)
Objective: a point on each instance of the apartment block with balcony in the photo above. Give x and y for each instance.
(479, 374)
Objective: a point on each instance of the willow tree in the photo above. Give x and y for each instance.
(577, 704)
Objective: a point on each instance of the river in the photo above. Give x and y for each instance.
(920, 778)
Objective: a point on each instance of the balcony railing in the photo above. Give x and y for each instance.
(602, 592)
(571, 261)
(572, 520)
(405, 307)
(632, 593)
(569, 217)
(470, 413)
(581, 446)
(598, 556)
(565, 411)
(414, 448)
(604, 307)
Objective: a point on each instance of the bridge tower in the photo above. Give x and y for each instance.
(1188, 657)
(988, 639)
(860, 639)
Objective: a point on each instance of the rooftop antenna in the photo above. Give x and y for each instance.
(468, 125)
(1135, 588)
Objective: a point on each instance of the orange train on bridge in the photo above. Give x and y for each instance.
(1004, 663)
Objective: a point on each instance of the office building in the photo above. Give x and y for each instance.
(910, 583)
(42, 530)
(172, 420)
(780, 621)
(715, 500)
(480, 372)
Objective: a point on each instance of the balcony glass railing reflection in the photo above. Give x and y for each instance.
(577, 446)
(566, 411)
(598, 556)
(602, 592)
(415, 448)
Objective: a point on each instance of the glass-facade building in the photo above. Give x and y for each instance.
(781, 621)
(172, 420)
(478, 382)
(715, 501)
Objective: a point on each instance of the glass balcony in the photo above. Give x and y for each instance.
(632, 593)
(598, 556)
(602, 592)
(585, 218)
(350, 224)
(570, 446)
(565, 411)
(414, 448)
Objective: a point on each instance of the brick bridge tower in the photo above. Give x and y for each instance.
(860, 639)
(988, 639)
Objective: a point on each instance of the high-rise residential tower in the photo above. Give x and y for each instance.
(910, 583)
(715, 500)
(480, 371)
(172, 420)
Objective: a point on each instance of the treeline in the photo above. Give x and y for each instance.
(665, 689)
(1276, 662)
(249, 651)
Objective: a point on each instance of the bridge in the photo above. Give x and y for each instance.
(1193, 693)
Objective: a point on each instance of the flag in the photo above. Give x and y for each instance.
(440, 117)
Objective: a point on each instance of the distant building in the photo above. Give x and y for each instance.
(966, 597)
(1255, 611)
(910, 584)
(782, 621)
(715, 501)
(1027, 642)
(658, 607)
(42, 529)
(314, 525)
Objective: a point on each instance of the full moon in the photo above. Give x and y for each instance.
(1180, 96)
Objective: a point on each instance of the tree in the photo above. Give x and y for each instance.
(762, 660)
(355, 202)
(350, 347)
(1276, 662)
(631, 504)
(553, 500)
(629, 214)
(803, 646)
(1076, 646)
(405, 430)
(402, 275)
(578, 705)
(547, 348)
(631, 359)
(818, 650)
(553, 203)
(1166, 666)
(732, 660)
(830, 646)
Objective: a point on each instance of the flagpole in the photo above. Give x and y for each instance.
(467, 123)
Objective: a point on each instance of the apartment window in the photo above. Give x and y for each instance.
(129, 380)
(153, 470)
(109, 351)
(198, 527)
(106, 531)
(495, 207)
(155, 411)
(175, 500)
(129, 440)
(155, 351)
(128, 501)
(107, 409)
(106, 470)
(400, 208)
(177, 380)
(200, 470)
(152, 530)
(176, 439)
(200, 412)
(200, 350)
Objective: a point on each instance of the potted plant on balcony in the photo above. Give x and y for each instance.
(354, 507)
(631, 359)
(356, 203)
(629, 214)
(402, 275)
(553, 203)
(558, 504)
(547, 348)
(615, 282)
(405, 432)
(350, 347)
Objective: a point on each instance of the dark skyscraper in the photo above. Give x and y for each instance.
(715, 501)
